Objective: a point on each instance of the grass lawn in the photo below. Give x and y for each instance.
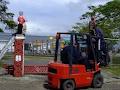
(38, 58)
(116, 59)
(114, 69)
(29, 57)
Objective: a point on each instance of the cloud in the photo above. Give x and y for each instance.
(46, 17)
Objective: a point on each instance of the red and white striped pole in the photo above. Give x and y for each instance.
(19, 56)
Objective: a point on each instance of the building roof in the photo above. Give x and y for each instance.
(29, 38)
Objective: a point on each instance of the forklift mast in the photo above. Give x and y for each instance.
(74, 39)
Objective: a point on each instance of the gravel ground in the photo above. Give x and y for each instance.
(36, 82)
(25, 83)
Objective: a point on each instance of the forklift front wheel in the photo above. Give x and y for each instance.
(68, 85)
(97, 81)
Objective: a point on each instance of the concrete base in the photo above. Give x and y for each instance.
(19, 36)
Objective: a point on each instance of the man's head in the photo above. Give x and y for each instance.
(93, 18)
(93, 23)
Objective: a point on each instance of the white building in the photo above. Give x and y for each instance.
(5, 37)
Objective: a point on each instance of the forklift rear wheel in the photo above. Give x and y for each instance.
(68, 85)
(97, 81)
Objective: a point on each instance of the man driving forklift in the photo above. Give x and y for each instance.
(78, 57)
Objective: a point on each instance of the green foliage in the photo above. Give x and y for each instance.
(11, 24)
(5, 16)
(1, 63)
(1, 30)
(110, 44)
(116, 59)
(80, 27)
(107, 16)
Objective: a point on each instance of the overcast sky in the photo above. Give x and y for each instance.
(46, 17)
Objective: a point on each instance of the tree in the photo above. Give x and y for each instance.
(1, 30)
(11, 24)
(5, 16)
(107, 17)
(81, 27)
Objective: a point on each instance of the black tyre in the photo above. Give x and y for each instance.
(68, 85)
(97, 81)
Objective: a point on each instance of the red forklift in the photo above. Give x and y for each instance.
(65, 73)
